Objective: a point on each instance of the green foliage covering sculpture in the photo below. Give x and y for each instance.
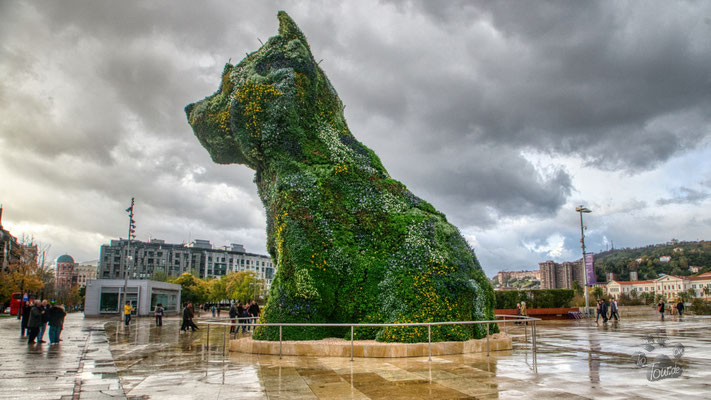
(350, 243)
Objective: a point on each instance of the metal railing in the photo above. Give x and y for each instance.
(504, 319)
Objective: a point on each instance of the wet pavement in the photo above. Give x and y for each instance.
(574, 359)
(80, 366)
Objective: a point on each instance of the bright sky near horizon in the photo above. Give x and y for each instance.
(505, 116)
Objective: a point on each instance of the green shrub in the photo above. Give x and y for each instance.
(539, 298)
(700, 307)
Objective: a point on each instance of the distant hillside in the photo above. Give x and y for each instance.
(646, 260)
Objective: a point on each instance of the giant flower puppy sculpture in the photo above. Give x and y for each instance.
(350, 243)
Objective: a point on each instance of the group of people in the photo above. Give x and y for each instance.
(607, 311)
(35, 315)
(188, 315)
(243, 312)
(522, 311)
(679, 308)
(238, 312)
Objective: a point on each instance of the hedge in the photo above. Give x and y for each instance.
(540, 298)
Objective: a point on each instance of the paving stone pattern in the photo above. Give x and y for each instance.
(80, 366)
(574, 360)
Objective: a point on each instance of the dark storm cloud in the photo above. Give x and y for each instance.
(603, 80)
(448, 94)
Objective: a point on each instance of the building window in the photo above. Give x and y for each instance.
(108, 302)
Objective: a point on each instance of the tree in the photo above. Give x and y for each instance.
(217, 289)
(23, 277)
(577, 288)
(707, 291)
(160, 275)
(633, 293)
(194, 290)
(243, 286)
(597, 292)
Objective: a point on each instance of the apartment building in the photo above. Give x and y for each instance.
(199, 256)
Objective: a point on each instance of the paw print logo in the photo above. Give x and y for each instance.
(659, 365)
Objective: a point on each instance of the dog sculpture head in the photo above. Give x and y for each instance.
(270, 105)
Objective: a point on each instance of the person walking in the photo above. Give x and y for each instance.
(214, 310)
(25, 316)
(159, 314)
(188, 315)
(55, 318)
(245, 319)
(44, 306)
(33, 323)
(680, 308)
(603, 310)
(240, 316)
(192, 317)
(598, 310)
(524, 311)
(614, 309)
(254, 309)
(127, 309)
(660, 308)
(233, 316)
(184, 326)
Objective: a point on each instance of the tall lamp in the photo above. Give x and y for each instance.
(580, 209)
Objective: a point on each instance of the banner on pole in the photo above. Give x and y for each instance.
(589, 269)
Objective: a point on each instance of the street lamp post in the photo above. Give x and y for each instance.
(580, 209)
(129, 259)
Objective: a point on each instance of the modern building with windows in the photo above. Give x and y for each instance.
(199, 257)
(105, 296)
(560, 276)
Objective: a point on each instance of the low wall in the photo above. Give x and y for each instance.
(368, 348)
(542, 313)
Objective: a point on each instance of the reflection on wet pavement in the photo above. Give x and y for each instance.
(574, 359)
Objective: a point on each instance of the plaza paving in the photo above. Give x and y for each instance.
(574, 359)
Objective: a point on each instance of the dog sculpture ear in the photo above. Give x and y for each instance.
(288, 28)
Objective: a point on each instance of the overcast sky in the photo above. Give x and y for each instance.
(505, 116)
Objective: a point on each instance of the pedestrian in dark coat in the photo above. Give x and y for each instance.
(25, 315)
(614, 309)
(34, 322)
(44, 306)
(56, 316)
(680, 307)
(233, 316)
(603, 311)
(660, 308)
(159, 314)
(254, 309)
(188, 315)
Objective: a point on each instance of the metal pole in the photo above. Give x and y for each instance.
(128, 253)
(224, 337)
(280, 342)
(351, 342)
(525, 332)
(581, 210)
(429, 342)
(208, 336)
(533, 336)
(488, 348)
